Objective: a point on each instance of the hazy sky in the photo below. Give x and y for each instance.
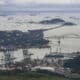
(39, 1)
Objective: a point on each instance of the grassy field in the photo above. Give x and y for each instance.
(30, 76)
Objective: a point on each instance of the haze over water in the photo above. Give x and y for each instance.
(16, 15)
(21, 22)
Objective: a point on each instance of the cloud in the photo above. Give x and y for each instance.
(54, 1)
(2, 2)
(20, 2)
(59, 1)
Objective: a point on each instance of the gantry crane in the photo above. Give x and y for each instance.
(64, 36)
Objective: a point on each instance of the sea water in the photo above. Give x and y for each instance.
(21, 22)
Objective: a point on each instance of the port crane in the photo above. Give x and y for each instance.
(58, 55)
(64, 36)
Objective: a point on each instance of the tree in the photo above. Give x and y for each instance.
(73, 64)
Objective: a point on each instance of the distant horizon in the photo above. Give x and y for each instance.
(41, 7)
